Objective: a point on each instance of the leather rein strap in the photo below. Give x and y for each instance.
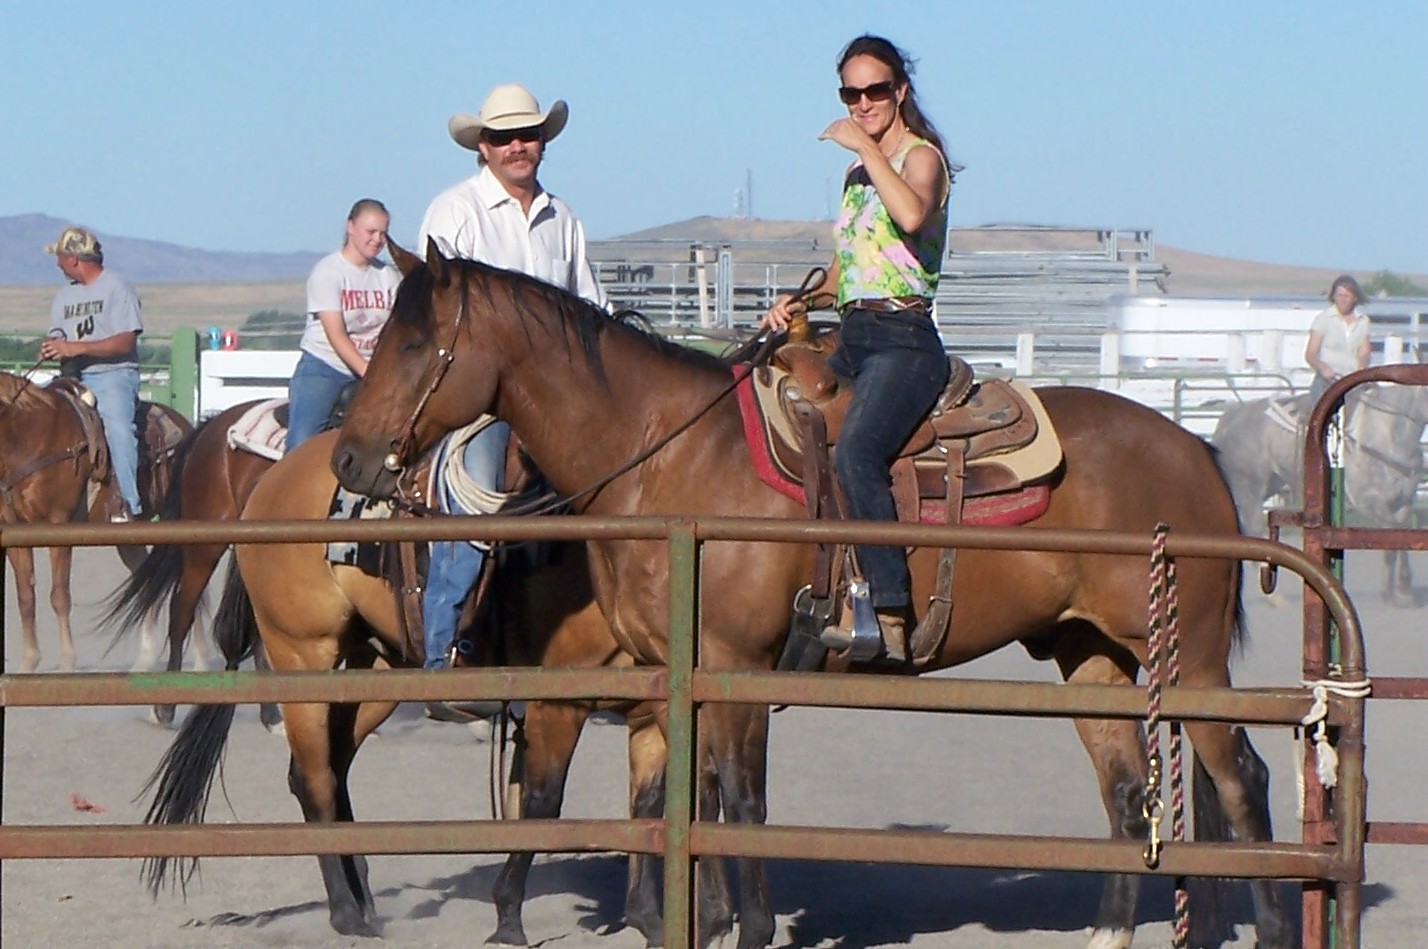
(402, 444)
(762, 350)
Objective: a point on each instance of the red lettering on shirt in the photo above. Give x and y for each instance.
(357, 299)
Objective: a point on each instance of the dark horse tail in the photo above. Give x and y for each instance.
(1212, 920)
(159, 574)
(183, 781)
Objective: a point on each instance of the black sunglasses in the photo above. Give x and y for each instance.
(503, 137)
(877, 92)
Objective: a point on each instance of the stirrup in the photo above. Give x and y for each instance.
(865, 640)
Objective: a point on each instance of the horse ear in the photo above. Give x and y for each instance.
(406, 261)
(437, 263)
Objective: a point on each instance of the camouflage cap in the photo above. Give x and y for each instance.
(76, 241)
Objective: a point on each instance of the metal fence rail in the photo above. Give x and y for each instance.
(1331, 863)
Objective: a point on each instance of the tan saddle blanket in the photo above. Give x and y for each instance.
(1000, 429)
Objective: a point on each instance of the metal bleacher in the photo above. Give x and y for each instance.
(996, 282)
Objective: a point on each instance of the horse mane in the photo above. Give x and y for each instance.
(22, 392)
(536, 300)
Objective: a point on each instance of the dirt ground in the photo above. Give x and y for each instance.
(865, 769)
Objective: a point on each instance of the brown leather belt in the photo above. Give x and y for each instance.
(889, 305)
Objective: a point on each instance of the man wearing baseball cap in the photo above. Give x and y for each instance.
(95, 324)
(501, 216)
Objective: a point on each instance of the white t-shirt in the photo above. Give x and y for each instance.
(363, 295)
(479, 220)
(1341, 339)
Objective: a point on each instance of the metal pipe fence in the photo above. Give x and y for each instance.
(1331, 862)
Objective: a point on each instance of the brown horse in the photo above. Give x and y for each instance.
(586, 395)
(310, 614)
(209, 481)
(48, 476)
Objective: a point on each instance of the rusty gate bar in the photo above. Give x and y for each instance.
(401, 685)
(1322, 542)
(1034, 699)
(1259, 706)
(1013, 851)
(1336, 861)
(35, 841)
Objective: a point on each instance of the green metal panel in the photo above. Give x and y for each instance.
(682, 737)
(183, 372)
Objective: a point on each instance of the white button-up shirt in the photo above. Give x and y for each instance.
(479, 220)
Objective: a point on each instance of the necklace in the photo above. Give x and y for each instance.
(903, 135)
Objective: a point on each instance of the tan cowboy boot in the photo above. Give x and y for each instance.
(893, 625)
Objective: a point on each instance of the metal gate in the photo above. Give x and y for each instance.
(1332, 858)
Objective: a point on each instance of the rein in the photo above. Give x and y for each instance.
(757, 350)
(28, 380)
(762, 351)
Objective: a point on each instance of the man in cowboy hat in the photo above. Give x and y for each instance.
(94, 330)
(504, 217)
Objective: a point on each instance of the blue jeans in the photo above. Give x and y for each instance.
(312, 392)
(116, 393)
(900, 368)
(455, 564)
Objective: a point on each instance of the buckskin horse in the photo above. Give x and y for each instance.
(313, 615)
(586, 395)
(54, 468)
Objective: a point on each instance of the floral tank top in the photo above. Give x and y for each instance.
(877, 259)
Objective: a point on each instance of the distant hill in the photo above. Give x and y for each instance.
(23, 261)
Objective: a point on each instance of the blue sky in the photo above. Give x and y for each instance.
(1286, 132)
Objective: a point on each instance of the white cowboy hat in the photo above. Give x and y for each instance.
(508, 107)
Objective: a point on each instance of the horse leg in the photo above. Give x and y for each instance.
(1405, 580)
(1398, 579)
(22, 561)
(648, 756)
(322, 748)
(61, 562)
(552, 729)
(148, 657)
(199, 564)
(1240, 803)
(737, 740)
(716, 907)
(1117, 750)
(269, 714)
(643, 909)
(205, 656)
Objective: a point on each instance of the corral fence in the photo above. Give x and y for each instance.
(1330, 857)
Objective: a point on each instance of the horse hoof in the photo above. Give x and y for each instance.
(1110, 939)
(508, 934)
(280, 729)
(30, 663)
(160, 715)
(356, 926)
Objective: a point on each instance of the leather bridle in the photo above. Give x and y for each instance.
(395, 462)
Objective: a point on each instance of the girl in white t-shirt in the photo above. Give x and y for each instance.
(349, 297)
(1338, 337)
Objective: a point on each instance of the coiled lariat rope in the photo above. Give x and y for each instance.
(1164, 668)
